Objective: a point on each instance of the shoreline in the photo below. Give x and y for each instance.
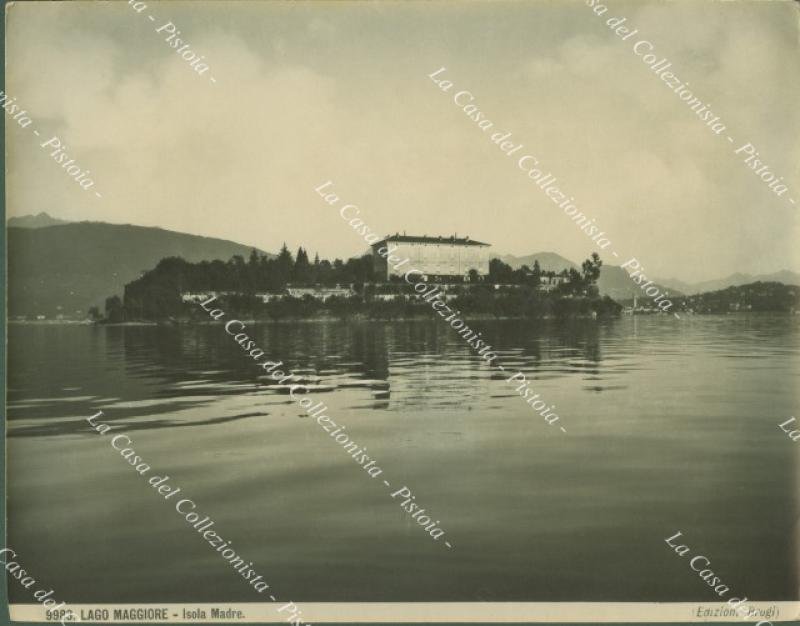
(309, 320)
(328, 319)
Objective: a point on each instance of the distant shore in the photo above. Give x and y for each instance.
(76, 323)
(363, 318)
(298, 320)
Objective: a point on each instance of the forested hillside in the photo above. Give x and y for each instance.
(65, 269)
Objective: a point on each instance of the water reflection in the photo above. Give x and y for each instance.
(672, 426)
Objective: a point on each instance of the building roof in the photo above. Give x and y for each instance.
(452, 240)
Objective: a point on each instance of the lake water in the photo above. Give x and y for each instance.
(672, 425)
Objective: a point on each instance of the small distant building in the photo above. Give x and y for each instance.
(270, 297)
(197, 297)
(450, 257)
(548, 283)
(319, 293)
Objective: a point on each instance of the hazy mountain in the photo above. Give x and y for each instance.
(734, 280)
(549, 261)
(68, 268)
(758, 296)
(616, 283)
(41, 220)
(614, 280)
(682, 286)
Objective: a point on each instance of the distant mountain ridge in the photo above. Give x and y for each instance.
(549, 261)
(757, 296)
(56, 266)
(66, 268)
(613, 282)
(40, 220)
(734, 280)
(616, 283)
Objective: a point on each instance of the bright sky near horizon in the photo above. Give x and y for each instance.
(313, 91)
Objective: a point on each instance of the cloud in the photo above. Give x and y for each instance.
(306, 93)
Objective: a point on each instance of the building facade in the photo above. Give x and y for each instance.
(549, 283)
(322, 294)
(450, 257)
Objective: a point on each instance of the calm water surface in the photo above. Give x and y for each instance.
(671, 425)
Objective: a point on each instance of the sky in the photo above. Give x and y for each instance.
(308, 92)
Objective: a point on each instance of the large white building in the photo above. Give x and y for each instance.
(434, 256)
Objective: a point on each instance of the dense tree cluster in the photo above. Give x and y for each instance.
(156, 294)
(575, 282)
(260, 273)
(759, 296)
(504, 292)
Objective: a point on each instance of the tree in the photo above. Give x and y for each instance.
(575, 281)
(315, 269)
(253, 271)
(236, 268)
(324, 272)
(301, 273)
(500, 272)
(253, 260)
(474, 277)
(283, 267)
(591, 272)
(591, 269)
(115, 312)
(536, 274)
(94, 313)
